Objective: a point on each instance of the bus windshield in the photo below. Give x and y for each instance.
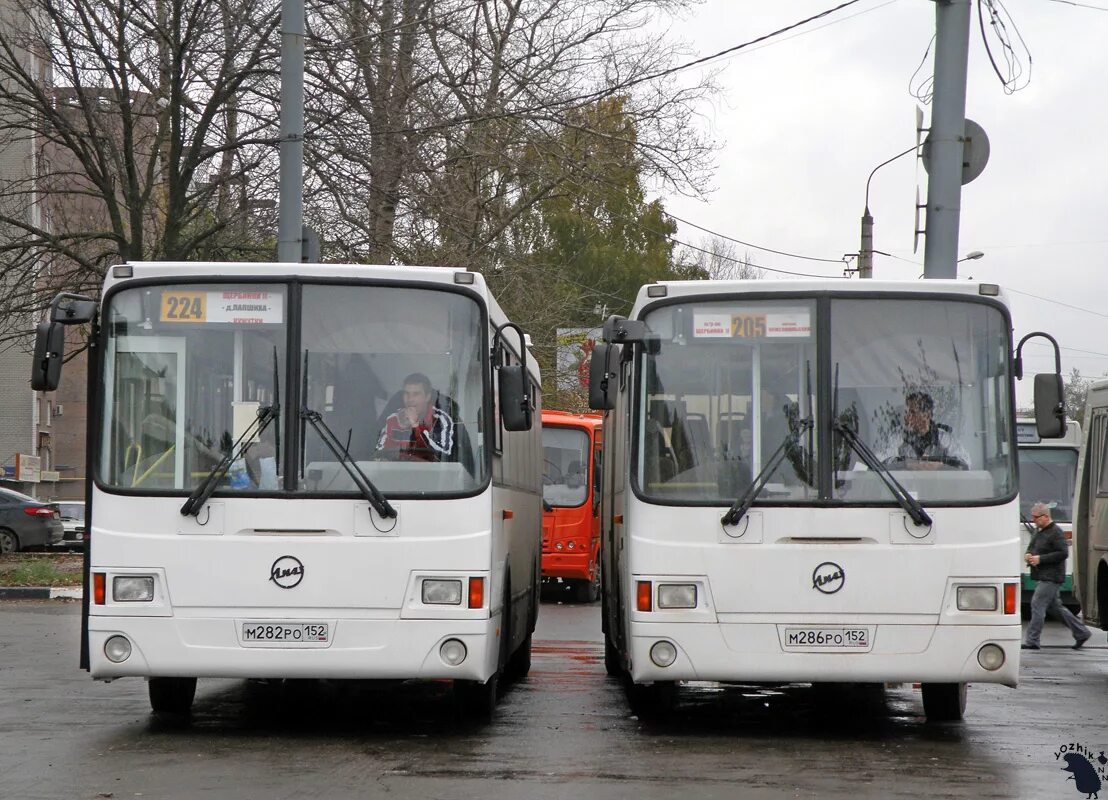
(925, 384)
(397, 374)
(1048, 475)
(727, 391)
(186, 369)
(565, 473)
(731, 398)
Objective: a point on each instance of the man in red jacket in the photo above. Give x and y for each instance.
(419, 431)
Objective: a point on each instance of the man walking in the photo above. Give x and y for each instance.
(1046, 553)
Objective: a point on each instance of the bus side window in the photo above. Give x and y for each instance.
(1101, 453)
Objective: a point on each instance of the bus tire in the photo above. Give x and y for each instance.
(172, 696)
(612, 663)
(587, 591)
(944, 702)
(476, 701)
(653, 701)
(520, 662)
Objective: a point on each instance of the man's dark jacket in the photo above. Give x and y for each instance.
(1049, 544)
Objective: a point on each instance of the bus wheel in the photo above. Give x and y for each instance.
(476, 701)
(587, 591)
(654, 701)
(944, 702)
(611, 659)
(172, 695)
(520, 662)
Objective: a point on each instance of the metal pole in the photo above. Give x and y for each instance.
(290, 214)
(865, 252)
(947, 138)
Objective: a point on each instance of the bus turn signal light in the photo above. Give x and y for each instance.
(1010, 598)
(476, 592)
(643, 596)
(98, 584)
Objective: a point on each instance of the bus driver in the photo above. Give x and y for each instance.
(926, 444)
(419, 430)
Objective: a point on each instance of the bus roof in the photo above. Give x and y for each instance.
(838, 286)
(554, 417)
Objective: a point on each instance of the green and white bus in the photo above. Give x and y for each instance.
(1048, 474)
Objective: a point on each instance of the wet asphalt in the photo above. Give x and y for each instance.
(563, 732)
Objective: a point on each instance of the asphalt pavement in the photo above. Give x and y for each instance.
(563, 732)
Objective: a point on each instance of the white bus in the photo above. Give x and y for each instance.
(306, 471)
(1048, 474)
(773, 513)
(1090, 518)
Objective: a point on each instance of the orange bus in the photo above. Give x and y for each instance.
(571, 502)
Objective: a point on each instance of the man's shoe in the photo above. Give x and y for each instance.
(1031, 646)
(1077, 645)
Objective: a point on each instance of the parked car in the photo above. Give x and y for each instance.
(27, 523)
(73, 521)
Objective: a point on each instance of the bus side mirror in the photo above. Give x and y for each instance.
(46, 368)
(599, 374)
(515, 405)
(1050, 406)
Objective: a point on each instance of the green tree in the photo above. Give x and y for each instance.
(583, 251)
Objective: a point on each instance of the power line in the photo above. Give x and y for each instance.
(749, 244)
(1081, 5)
(744, 262)
(1057, 302)
(583, 99)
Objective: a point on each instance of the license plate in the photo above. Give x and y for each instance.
(278, 633)
(827, 638)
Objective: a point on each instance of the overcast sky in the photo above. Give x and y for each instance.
(803, 119)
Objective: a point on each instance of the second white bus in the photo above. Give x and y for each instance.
(763, 519)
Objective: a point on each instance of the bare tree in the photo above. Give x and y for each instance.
(437, 126)
(717, 259)
(143, 120)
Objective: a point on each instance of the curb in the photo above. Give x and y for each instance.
(41, 593)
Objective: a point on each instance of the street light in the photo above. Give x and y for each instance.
(972, 255)
(865, 252)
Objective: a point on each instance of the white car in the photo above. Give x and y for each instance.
(73, 522)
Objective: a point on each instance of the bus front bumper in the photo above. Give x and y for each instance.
(898, 653)
(359, 648)
(578, 566)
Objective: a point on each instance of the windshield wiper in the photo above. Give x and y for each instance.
(370, 492)
(743, 503)
(910, 504)
(200, 495)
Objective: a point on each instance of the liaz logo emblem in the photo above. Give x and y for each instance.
(828, 577)
(287, 572)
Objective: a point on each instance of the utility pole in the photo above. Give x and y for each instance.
(290, 212)
(946, 140)
(865, 252)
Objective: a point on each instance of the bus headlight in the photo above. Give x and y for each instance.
(117, 649)
(977, 598)
(571, 544)
(677, 595)
(133, 588)
(990, 657)
(438, 592)
(663, 653)
(452, 652)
